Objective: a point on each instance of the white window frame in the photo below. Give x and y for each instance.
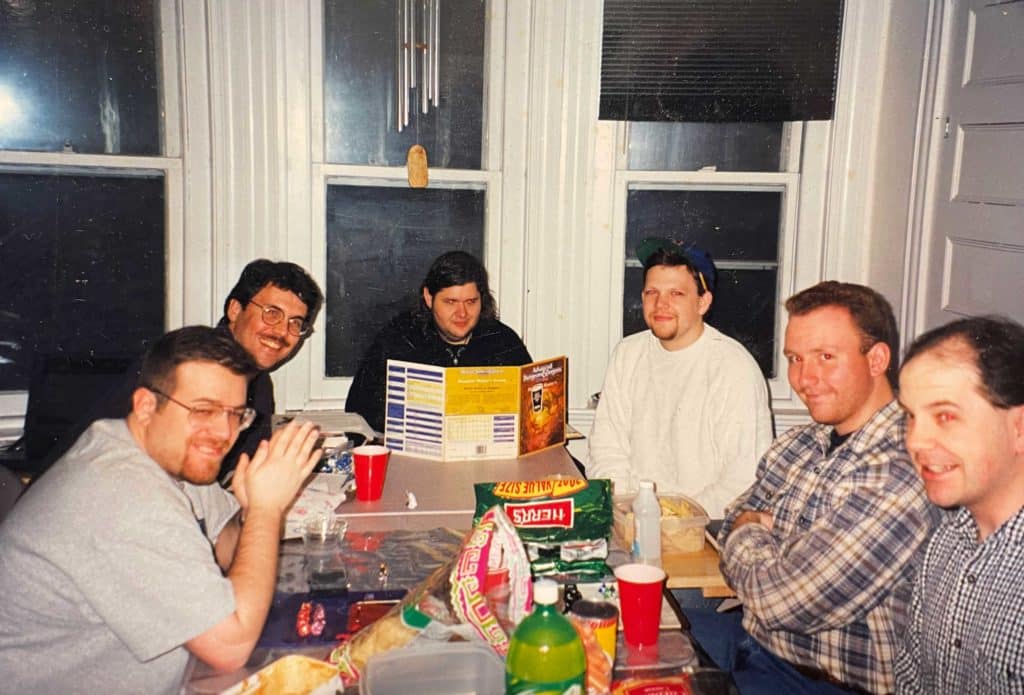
(13, 403)
(330, 392)
(788, 182)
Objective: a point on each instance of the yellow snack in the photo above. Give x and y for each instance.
(676, 506)
(290, 675)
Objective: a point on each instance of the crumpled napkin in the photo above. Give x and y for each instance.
(323, 493)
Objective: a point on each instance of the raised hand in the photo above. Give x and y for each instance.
(277, 470)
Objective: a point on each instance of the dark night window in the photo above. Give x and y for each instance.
(83, 262)
(380, 242)
(741, 230)
(360, 91)
(79, 77)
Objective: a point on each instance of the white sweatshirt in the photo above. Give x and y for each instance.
(695, 420)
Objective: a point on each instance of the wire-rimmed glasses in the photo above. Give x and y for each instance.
(207, 413)
(273, 315)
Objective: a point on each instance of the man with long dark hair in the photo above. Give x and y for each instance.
(455, 324)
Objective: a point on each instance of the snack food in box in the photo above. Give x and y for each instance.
(683, 521)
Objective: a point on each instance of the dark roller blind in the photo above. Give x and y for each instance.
(720, 60)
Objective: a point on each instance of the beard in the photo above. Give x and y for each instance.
(201, 468)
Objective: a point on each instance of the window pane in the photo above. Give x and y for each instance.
(380, 243)
(693, 146)
(79, 75)
(730, 225)
(83, 267)
(740, 229)
(744, 308)
(360, 110)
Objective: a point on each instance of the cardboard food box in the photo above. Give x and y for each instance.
(683, 521)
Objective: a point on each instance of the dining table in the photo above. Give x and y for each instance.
(390, 547)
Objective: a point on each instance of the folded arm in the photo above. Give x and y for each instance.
(836, 570)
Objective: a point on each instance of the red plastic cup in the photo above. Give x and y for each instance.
(371, 465)
(640, 602)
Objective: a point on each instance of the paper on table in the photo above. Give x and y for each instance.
(330, 421)
(323, 493)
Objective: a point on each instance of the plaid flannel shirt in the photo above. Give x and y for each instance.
(828, 587)
(966, 632)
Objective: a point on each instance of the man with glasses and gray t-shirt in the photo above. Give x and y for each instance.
(127, 557)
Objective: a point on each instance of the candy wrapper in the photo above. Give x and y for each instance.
(564, 524)
(452, 602)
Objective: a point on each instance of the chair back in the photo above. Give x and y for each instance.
(11, 488)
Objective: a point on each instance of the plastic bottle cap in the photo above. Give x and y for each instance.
(545, 592)
(646, 484)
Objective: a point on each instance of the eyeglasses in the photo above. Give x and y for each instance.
(207, 414)
(273, 315)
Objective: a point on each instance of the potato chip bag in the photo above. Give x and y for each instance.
(564, 523)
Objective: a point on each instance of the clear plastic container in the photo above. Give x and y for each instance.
(680, 533)
(441, 669)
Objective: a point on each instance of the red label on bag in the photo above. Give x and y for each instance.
(546, 514)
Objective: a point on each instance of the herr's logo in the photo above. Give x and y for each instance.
(530, 489)
(546, 514)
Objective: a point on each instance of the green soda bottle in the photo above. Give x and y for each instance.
(545, 656)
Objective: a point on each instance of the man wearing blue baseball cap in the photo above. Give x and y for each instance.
(682, 404)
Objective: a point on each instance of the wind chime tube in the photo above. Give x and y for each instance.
(411, 43)
(407, 75)
(435, 54)
(425, 58)
(399, 65)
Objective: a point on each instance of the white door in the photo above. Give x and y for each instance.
(973, 242)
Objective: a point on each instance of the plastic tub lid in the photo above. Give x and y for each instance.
(439, 668)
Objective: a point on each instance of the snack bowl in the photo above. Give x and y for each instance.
(293, 673)
(323, 532)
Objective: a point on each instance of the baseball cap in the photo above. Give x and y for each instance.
(698, 258)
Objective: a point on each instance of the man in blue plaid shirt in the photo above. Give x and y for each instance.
(820, 548)
(962, 387)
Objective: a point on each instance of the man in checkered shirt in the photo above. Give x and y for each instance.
(820, 548)
(962, 387)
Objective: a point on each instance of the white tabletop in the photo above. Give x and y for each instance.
(444, 489)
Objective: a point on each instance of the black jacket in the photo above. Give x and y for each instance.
(411, 338)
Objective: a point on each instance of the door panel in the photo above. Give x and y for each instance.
(974, 235)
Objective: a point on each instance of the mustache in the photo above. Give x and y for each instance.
(280, 342)
(220, 443)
